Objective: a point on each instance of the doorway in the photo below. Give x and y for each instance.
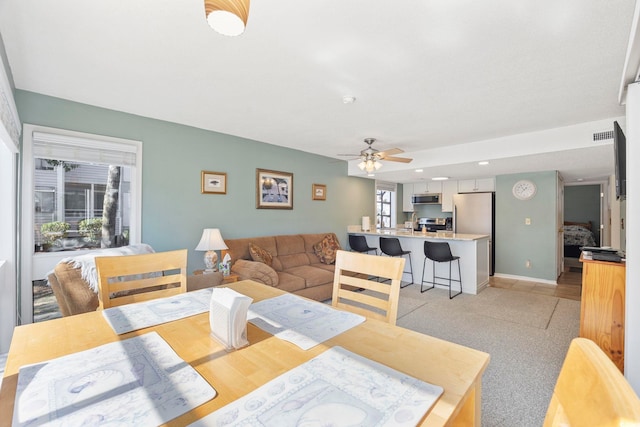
(585, 219)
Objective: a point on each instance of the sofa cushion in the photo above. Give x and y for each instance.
(256, 271)
(293, 260)
(326, 249)
(260, 255)
(313, 276)
(290, 282)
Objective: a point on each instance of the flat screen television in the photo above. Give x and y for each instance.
(620, 152)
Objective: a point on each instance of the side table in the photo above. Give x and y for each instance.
(231, 278)
(227, 279)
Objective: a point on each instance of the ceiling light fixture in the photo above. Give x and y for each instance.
(369, 163)
(419, 170)
(227, 17)
(483, 163)
(439, 178)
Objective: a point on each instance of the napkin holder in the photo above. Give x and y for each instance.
(228, 317)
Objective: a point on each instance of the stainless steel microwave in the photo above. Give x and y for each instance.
(425, 199)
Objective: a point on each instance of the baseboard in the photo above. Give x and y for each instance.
(526, 279)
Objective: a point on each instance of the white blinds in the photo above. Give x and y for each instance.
(70, 148)
(386, 186)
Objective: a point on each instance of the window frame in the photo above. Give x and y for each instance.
(35, 266)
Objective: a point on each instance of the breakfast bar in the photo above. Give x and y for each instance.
(473, 250)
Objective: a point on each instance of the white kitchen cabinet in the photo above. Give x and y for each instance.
(476, 185)
(407, 192)
(449, 188)
(426, 187)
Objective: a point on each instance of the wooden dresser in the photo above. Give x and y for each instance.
(602, 307)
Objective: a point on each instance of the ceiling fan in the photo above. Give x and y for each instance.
(371, 157)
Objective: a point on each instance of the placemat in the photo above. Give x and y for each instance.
(337, 387)
(300, 321)
(138, 381)
(130, 317)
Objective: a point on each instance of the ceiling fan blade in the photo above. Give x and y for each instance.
(389, 152)
(397, 159)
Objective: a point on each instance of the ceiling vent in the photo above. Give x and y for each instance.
(602, 136)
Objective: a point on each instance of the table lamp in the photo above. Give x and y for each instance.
(211, 241)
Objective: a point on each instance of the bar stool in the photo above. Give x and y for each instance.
(359, 244)
(440, 252)
(391, 246)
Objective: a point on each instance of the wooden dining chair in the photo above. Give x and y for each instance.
(353, 291)
(135, 278)
(591, 391)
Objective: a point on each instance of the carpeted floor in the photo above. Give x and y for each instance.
(527, 336)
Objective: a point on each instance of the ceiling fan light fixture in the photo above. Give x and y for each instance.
(377, 165)
(362, 165)
(227, 17)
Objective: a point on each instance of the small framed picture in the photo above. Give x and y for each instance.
(318, 192)
(274, 189)
(214, 182)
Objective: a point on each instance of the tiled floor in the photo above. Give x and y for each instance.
(569, 285)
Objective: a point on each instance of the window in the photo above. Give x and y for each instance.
(71, 179)
(383, 209)
(385, 204)
(65, 176)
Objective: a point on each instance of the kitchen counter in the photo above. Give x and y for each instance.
(438, 235)
(473, 250)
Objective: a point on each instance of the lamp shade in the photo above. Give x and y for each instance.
(211, 240)
(227, 17)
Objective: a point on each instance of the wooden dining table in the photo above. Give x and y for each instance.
(456, 368)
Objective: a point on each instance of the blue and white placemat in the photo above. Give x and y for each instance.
(300, 321)
(134, 382)
(130, 317)
(337, 387)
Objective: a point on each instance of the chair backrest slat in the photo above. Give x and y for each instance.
(354, 291)
(134, 278)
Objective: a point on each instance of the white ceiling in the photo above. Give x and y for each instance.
(429, 77)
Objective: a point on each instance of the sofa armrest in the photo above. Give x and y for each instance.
(196, 282)
(258, 271)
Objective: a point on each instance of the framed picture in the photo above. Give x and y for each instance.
(318, 192)
(214, 182)
(274, 189)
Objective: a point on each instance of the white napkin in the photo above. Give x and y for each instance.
(228, 317)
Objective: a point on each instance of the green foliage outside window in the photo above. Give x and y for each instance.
(91, 229)
(52, 231)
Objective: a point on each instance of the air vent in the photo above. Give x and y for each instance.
(602, 136)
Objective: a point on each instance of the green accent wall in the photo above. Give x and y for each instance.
(515, 242)
(582, 204)
(174, 212)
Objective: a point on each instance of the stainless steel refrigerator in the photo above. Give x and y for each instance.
(473, 213)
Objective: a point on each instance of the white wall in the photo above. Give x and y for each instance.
(632, 306)
(7, 244)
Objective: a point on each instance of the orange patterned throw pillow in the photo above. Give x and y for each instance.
(260, 255)
(326, 249)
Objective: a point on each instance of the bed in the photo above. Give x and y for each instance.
(576, 235)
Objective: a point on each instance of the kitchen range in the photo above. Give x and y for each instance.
(433, 224)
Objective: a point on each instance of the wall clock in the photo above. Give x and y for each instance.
(524, 190)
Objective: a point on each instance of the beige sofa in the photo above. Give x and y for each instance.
(295, 266)
(74, 294)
